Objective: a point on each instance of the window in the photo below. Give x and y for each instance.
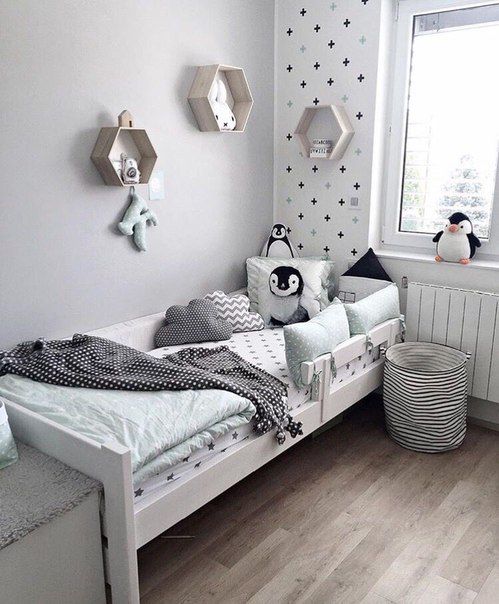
(445, 121)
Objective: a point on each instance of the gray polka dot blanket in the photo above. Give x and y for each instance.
(92, 362)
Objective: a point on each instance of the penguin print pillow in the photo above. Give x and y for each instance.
(288, 290)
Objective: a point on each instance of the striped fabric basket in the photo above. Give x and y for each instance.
(425, 396)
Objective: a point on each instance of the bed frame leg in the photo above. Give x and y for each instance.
(120, 524)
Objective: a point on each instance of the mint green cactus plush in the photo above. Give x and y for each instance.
(135, 221)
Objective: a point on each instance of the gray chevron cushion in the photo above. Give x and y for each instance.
(236, 310)
(197, 322)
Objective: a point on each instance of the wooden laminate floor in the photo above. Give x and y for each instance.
(346, 517)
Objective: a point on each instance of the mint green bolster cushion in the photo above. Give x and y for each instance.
(320, 335)
(373, 310)
(8, 449)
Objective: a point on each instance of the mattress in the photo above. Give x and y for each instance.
(265, 349)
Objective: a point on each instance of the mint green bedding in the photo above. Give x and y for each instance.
(160, 428)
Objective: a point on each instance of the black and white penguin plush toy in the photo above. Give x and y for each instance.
(286, 286)
(278, 245)
(457, 242)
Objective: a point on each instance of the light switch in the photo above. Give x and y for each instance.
(157, 185)
(354, 203)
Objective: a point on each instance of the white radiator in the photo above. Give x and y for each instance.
(464, 319)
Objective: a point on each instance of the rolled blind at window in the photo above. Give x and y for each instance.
(452, 19)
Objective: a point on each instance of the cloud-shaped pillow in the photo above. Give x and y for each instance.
(236, 310)
(196, 322)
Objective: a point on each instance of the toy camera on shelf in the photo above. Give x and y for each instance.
(130, 172)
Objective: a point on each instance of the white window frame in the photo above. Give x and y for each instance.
(391, 237)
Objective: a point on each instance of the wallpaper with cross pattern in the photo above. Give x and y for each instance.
(326, 54)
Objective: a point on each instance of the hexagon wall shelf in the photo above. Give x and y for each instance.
(239, 96)
(339, 117)
(124, 137)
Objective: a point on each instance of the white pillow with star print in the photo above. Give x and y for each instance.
(288, 290)
(307, 341)
(373, 310)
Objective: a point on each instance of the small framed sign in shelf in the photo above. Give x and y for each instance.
(324, 131)
(123, 154)
(220, 98)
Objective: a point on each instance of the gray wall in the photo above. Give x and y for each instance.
(69, 67)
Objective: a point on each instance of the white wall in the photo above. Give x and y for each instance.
(69, 67)
(358, 42)
(367, 52)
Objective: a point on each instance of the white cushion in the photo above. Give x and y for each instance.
(353, 289)
(320, 335)
(373, 310)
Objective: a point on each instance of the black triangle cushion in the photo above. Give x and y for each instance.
(368, 266)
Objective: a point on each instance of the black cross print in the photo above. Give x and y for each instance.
(314, 169)
(331, 44)
(290, 31)
(315, 101)
(327, 218)
(356, 186)
(353, 252)
(343, 169)
(301, 216)
(289, 68)
(346, 22)
(364, 2)
(330, 81)
(303, 12)
(288, 169)
(313, 201)
(341, 202)
(346, 61)
(138, 492)
(316, 65)
(361, 77)
(303, 84)
(317, 28)
(301, 185)
(326, 249)
(288, 230)
(289, 136)
(341, 234)
(359, 115)
(300, 246)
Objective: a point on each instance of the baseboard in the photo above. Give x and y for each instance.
(483, 413)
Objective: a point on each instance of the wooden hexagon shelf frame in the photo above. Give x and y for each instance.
(239, 90)
(109, 137)
(340, 117)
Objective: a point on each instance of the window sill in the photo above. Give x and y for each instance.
(429, 258)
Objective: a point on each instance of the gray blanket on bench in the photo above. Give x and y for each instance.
(35, 490)
(92, 362)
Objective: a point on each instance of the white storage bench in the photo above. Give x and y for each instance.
(50, 535)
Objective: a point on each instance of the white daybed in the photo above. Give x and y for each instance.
(129, 523)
